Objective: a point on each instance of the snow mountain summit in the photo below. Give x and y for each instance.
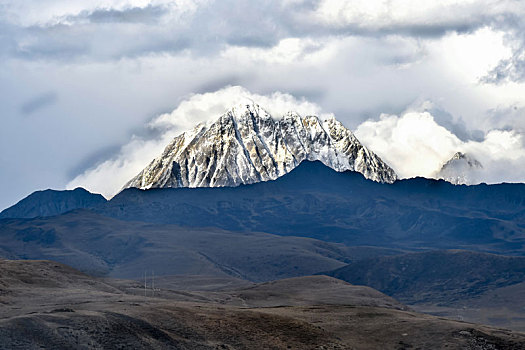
(247, 145)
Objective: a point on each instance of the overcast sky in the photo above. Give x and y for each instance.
(90, 91)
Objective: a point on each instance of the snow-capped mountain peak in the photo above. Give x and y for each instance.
(461, 169)
(247, 145)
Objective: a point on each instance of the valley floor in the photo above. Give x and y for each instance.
(49, 305)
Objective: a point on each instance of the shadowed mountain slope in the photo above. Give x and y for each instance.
(51, 202)
(105, 246)
(435, 276)
(469, 286)
(315, 201)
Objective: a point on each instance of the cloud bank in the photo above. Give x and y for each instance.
(109, 30)
(414, 144)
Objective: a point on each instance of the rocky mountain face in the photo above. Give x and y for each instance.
(246, 145)
(461, 169)
(52, 202)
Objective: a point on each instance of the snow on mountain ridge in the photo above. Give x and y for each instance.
(461, 169)
(247, 145)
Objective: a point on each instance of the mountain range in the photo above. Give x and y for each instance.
(342, 207)
(249, 199)
(50, 203)
(317, 202)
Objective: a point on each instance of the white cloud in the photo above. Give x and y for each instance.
(287, 51)
(208, 106)
(385, 14)
(110, 176)
(472, 56)
(415, 145)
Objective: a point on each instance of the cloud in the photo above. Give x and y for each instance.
(38, 13)
(114, 30)
(414, 144)
(429, 19)
(200, 108)
(508, 117)
(109, 176)
(508, 70)
(38, 102)
(445, 119)
(146, 15)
